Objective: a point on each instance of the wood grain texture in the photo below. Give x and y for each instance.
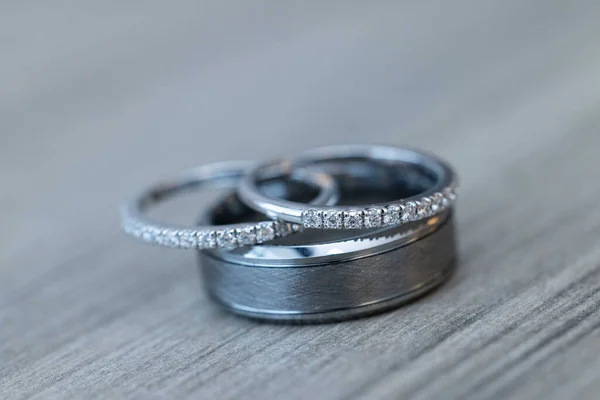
(97, 99)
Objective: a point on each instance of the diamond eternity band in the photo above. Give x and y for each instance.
(375, 217)
(425, 186)
(208, 238)
(135, 223)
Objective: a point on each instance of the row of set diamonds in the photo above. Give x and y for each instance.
(374, 217)
(209, 239)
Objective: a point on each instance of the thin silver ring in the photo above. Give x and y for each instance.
(227, 174)
(435, 199)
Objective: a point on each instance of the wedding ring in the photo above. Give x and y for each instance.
(135, 223)
(320, 276)
(389, 240)
(427, 187)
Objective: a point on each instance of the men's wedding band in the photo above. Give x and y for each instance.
(320, 276)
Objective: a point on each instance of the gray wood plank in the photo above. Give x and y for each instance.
(98, 99)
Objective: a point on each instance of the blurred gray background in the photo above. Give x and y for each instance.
(98, 98)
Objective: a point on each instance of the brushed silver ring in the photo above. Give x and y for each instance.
(308, 279)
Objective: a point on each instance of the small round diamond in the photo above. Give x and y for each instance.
(165, 238)
(187, 239)
(171, 239)
(296, 228)
(226, 238)
(410, 211)
(149, 233)
(265, 231)
(437, 203)
(391, 215)
(312, 219)
(282, 229)
(207, 239)
(332, 219)
(424, 207)
(449, 194)
(156, 236)
(373, 217)
(353, 219)
(246, 235)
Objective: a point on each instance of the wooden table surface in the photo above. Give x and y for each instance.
(97, 99)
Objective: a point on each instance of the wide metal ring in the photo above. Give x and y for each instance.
(228, 174)
(432, 185)
(319, 276)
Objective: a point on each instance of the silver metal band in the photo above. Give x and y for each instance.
(322, 281)
(434, 188)
(207, 237)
